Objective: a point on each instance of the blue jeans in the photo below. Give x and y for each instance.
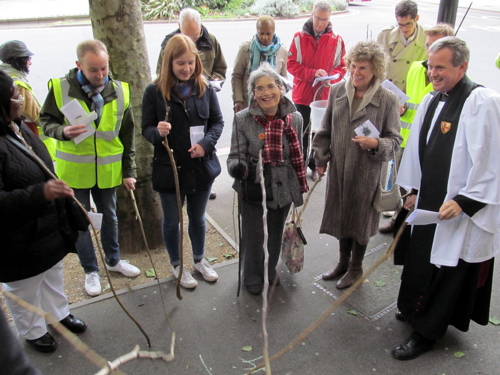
(196, 206)
(105, 201)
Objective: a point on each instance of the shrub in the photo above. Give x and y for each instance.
(160, 9)
(275, 8)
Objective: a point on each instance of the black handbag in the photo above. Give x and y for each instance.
(212, 166)
(252, 191)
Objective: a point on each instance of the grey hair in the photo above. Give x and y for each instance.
(460, 51)
(265, 70)
(322, 5)
(190, 14)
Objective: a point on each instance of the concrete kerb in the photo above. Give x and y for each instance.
(66, 20)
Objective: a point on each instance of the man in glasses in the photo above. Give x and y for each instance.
(403, 43)
(316, 51)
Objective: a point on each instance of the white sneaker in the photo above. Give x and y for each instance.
(187, 280)
(125, 268)
(92, 284)
(206, 270)
(388, 213)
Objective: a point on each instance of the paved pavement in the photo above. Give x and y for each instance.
(213, 324)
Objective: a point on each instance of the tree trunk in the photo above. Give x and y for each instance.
(118, 24)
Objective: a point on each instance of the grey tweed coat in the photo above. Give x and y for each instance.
(285, 184)
(353, 173)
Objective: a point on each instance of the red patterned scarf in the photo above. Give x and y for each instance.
(273, 146)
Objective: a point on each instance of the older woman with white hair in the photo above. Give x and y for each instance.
(355, 162)
(270, 124)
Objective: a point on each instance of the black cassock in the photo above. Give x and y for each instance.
(432, 298)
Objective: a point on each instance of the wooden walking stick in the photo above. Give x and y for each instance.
(387, 255)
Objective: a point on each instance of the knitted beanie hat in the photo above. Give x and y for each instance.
(14, 48)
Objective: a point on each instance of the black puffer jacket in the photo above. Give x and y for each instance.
(35, 234)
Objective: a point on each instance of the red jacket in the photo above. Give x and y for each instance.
(305, 57)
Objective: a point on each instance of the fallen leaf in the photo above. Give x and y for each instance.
(247, 348)
(150, 272)
(211, 259)
(221, 244)
(495, 321)
(380, 283)
(227, 255)
(458, 354)
(352, 312)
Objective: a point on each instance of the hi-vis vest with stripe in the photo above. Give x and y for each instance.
(97, 160)
(50, 143)
(416, 89)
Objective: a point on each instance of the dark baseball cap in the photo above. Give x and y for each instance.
(14, 48)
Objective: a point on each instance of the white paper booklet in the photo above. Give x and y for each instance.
(217, 85)
(367, 129)
(76, 115)
(329, 78)
(196, 133)
(423, 217)
(402, 97)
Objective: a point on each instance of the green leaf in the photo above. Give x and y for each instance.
(495, 321)
(380, 283)
(352, 312)
(150, 273)
(458, 354)
(221, 244)
(212, 259)
(227, 255)
(247, 348)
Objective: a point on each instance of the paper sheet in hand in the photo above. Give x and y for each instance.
(288, 84)
(329, 78)
(367, 129)
(402, 97)
(196, 133)
(423, 217)
(76, 115)
(217, 85)
(96, 219)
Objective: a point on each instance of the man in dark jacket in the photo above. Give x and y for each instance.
(315, 52)
(212, 59)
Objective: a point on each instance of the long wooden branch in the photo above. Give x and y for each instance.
(94, 231)
(338, 302)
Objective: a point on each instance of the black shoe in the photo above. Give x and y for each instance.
(75, 325)
(254, 289)
(44, 344)
(410, 349)
(399, 316)
(212, 195)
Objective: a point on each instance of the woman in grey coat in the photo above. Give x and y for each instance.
(270, 124)
(355, 162)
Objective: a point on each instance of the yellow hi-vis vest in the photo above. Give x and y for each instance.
(50, 143)
(416, 89)
(97, 160)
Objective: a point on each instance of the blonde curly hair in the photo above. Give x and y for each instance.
(369, 51)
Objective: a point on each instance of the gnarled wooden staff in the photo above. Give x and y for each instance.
(388, 254)
(179, 205)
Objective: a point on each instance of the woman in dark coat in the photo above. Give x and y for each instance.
(34, 229)
(355, 162)
(192, 105)
(270, 124)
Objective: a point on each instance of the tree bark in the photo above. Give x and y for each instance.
(118, 24)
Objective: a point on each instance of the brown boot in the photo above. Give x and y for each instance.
(345, 246)
(355, 270)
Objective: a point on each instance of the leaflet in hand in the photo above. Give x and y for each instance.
(367, 129)
(217, 85)
(402, 97)
(423, 217)
(329, 78)
(76, 115)
(196, 133)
